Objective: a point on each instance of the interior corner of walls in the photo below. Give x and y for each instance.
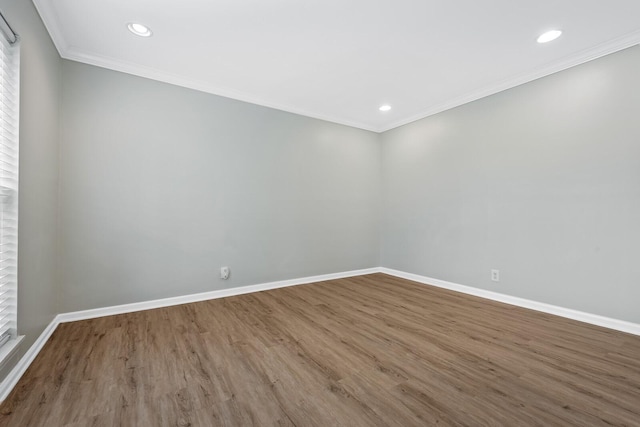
(49, 20)
(504, 183)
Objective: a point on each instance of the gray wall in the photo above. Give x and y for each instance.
(39, 106)
(160, 186)
(541, 182)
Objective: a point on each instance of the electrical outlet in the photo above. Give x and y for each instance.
(495, 275)
(224, 273)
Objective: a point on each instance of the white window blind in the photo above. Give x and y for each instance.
(9, 109)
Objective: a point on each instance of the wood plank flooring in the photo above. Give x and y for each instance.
(366, 351)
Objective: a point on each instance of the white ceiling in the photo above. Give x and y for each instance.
(339, 60)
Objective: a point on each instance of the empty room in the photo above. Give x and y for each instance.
(305, 213)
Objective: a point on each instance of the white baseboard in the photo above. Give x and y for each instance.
(25, 361)
(21, 367)
(16, 373)
(222, 293)
(594, 319)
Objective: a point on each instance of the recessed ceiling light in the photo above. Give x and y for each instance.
(139, 29)
(549, 36)
(385, 108)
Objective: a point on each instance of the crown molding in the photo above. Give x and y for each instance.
(51, 22)
(586, 55)
(74, 54)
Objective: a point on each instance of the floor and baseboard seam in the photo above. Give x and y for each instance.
(23, 364)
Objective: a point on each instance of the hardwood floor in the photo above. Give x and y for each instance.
(367, 351)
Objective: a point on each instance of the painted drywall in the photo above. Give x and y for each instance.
(39, 126)
(162, 185)
(541, 182)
